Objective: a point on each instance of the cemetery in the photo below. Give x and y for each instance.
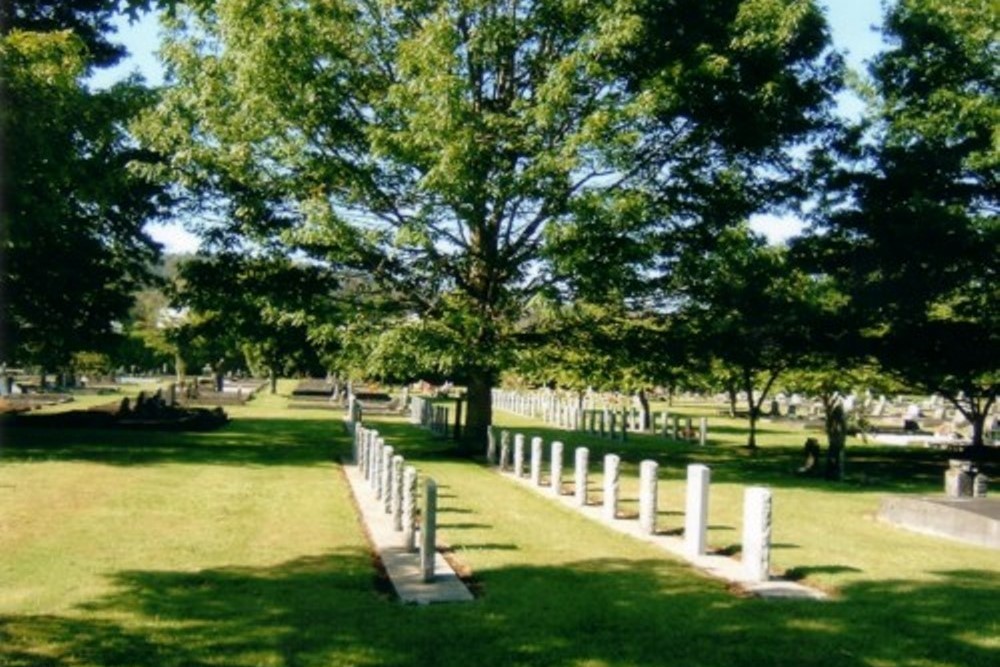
(493, 333)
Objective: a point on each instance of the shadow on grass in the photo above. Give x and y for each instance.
(243, 441)
(275, 441)
(324, 610)
(869, 467)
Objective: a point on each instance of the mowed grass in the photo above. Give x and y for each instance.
(242, 547)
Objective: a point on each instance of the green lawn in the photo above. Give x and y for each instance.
(242, 547)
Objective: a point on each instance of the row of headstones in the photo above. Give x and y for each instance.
(610, 424)
(756, 504)
(424, 413)
(394, 484)
(605, 422)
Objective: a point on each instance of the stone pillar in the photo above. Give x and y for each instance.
(360, 449)
(491, 446)
(582, 456)
(504, 450)
(980, 485)
(359, 434)
(958, 479)
(611, 465)
(703, 431)
(409, 507)
(385, 470)
(696, 510)
(757, 533)
(518, 455)
(555, 476)
(536, 460)
(648, 471)
(375, 475)
(396, 494)
(428, 530)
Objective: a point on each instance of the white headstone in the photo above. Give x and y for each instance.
(536, 460)
(428, 529)
(582, 456)
(757, 533)
(518, 455)
(648, 472)
(396, 496)
(555, 478)
(611, 472)
(409, 507)
(696, 510)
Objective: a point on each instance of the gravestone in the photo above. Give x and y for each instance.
(581, 461)
(555, 476)
(519, 455)
(409, 507)
(536, 460)
(491, 446)
(385, 486)
(504, 450)
(757, 533)
(980, 485)
(428, 530)
(696, 509)
(648, 471)
(958, 479)
(611, 485)
(396, 502)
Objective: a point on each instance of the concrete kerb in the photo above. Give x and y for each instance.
(719, 567)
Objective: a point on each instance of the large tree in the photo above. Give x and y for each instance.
(911, 226)
(430, 144)
(71, 212)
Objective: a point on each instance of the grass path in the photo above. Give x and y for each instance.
(241, 547)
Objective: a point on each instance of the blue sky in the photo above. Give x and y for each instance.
(853, 26)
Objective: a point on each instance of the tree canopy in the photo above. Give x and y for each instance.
(71, 212)
(429, 145)
(909, 225)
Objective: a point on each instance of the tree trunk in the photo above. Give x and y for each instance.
(731, 392)
(753, 408)
(274, 380)
(836, 434)
(479, 413)
(644, 415)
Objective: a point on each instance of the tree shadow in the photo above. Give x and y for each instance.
(243, 442)
(324, 609)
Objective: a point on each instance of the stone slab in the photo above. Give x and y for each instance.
(720, 567)
(970, 520)
(401, 565)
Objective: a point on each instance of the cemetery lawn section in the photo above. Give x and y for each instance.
(242, 547)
